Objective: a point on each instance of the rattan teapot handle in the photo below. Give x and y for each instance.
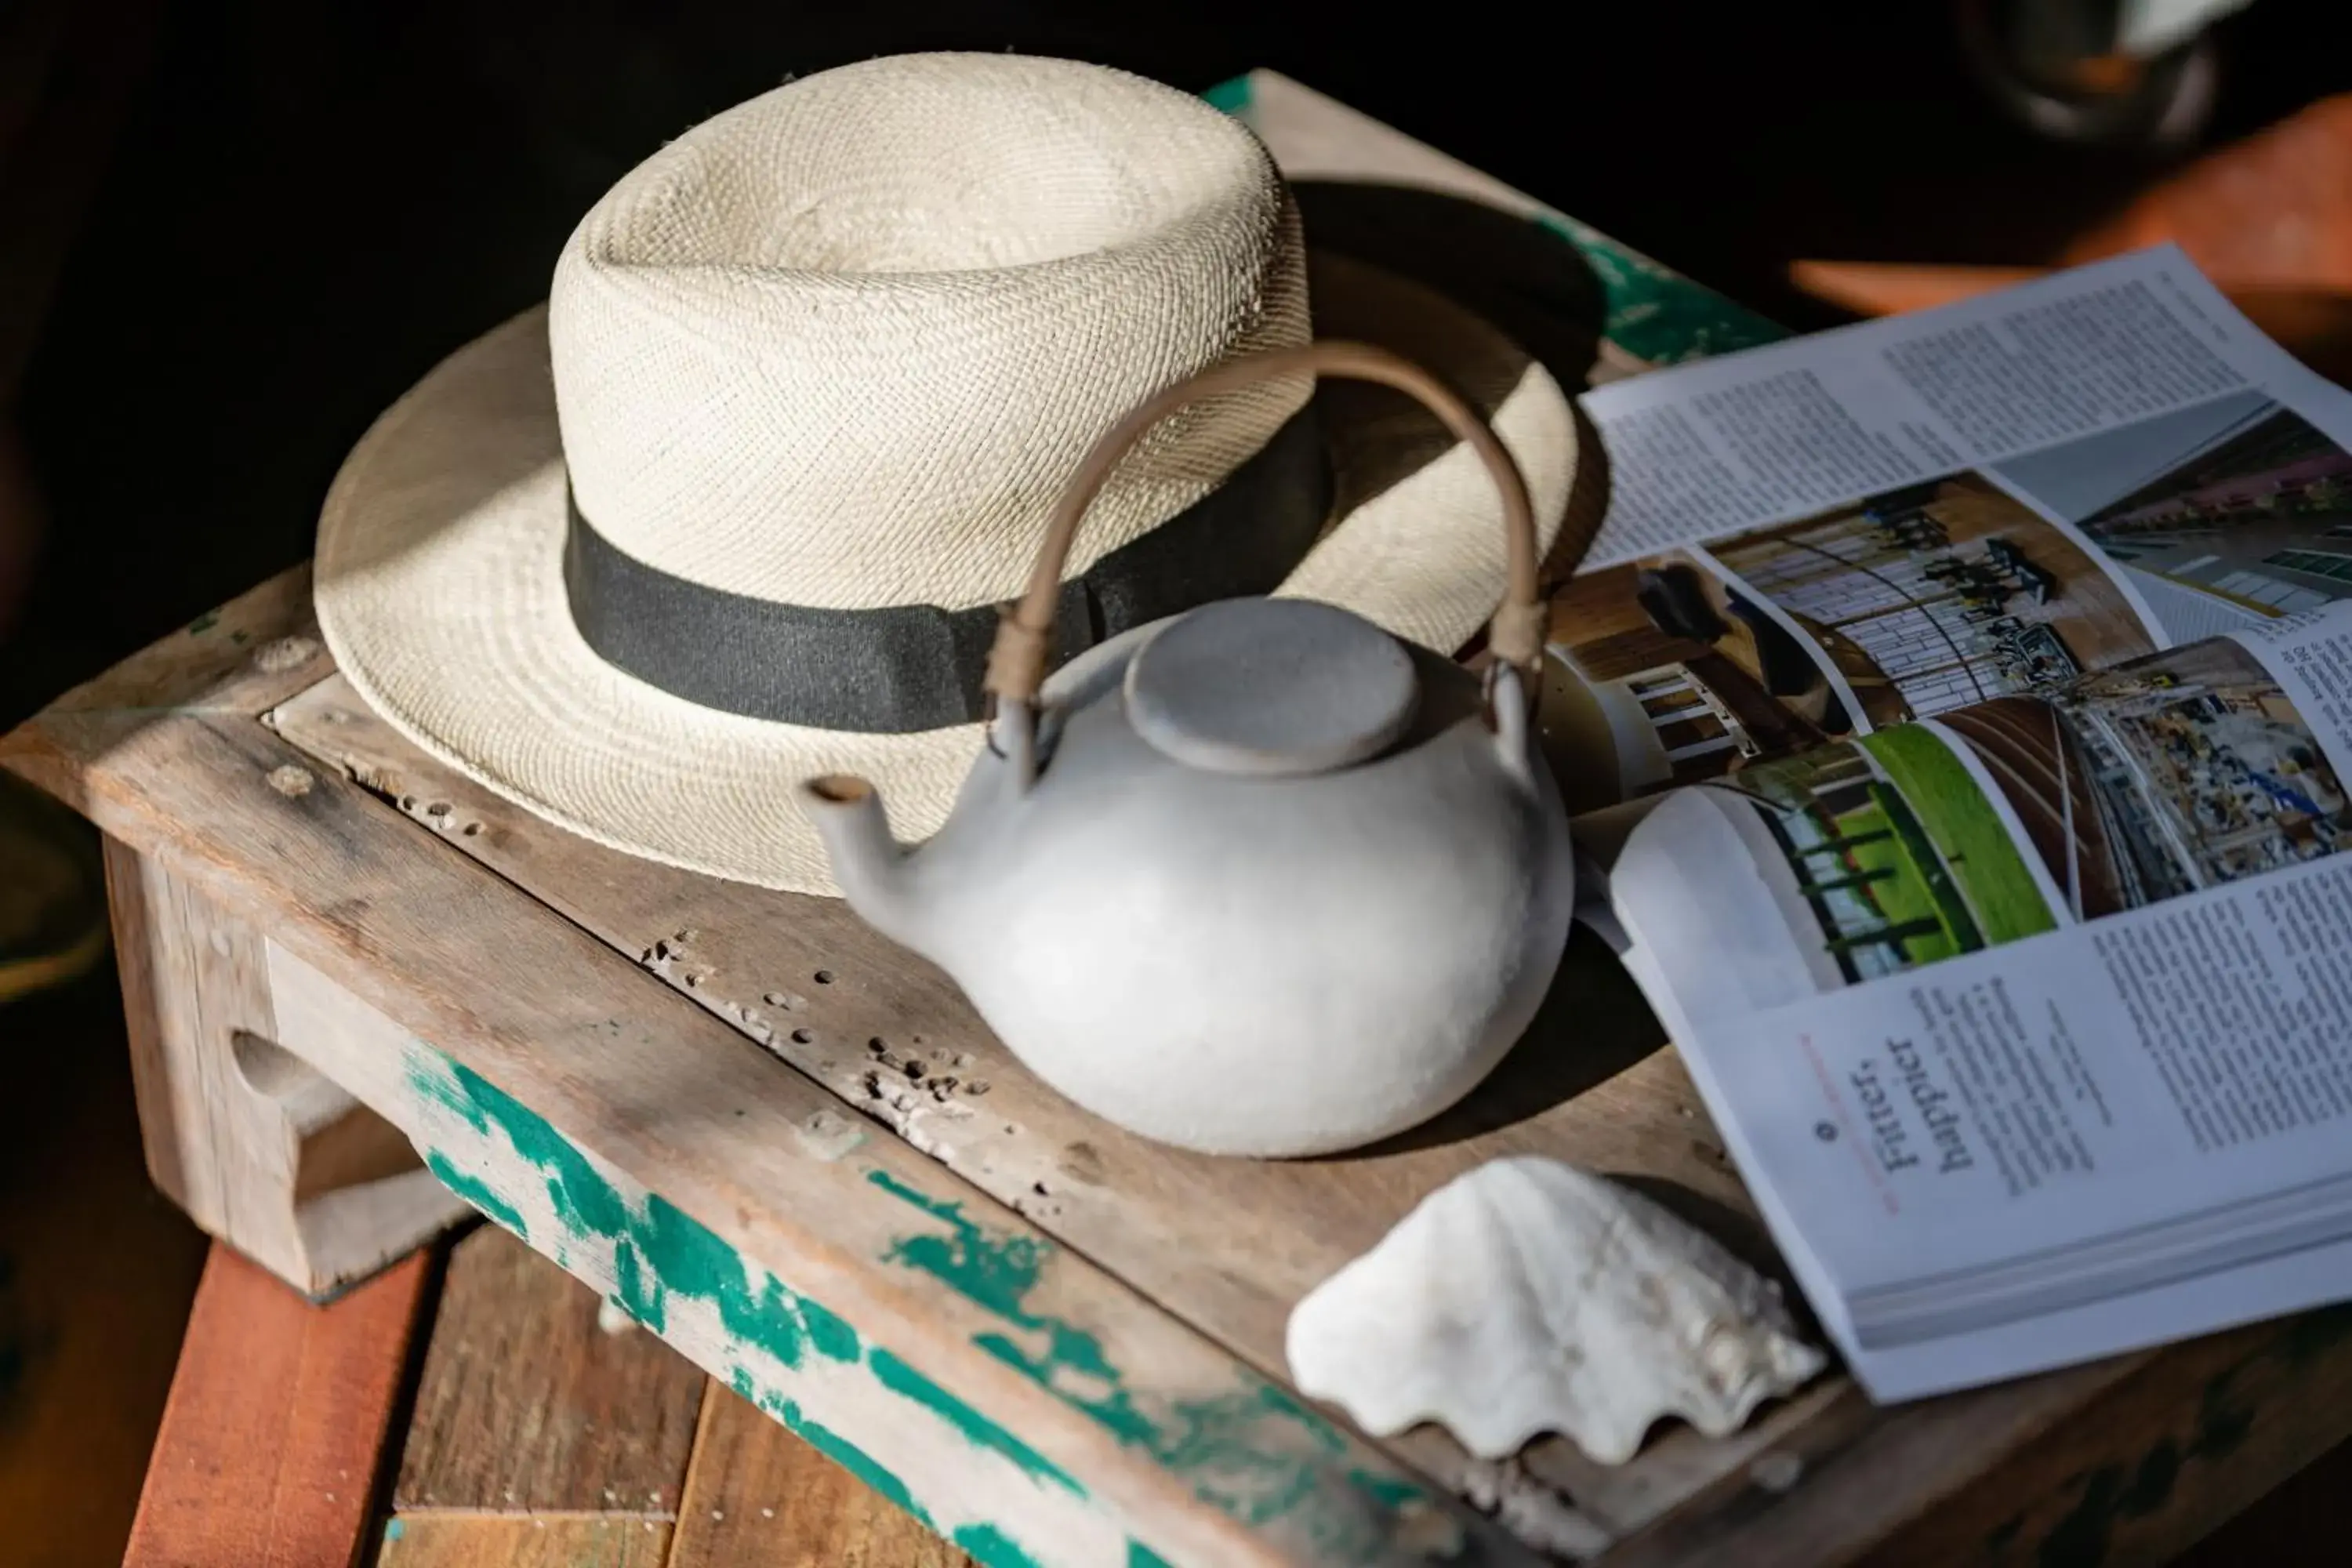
(1016, 662)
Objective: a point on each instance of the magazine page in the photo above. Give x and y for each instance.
(2030, 1024)
(2004, 644)
(1824, 537)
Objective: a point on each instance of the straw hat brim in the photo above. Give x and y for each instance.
(439, 588)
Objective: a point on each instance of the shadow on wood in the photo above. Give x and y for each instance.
(1592, 1026)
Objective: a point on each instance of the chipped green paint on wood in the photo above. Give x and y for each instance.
(847, 1455)
(442, 1082)
(661, 1256)
(1139, 1555)
(1656, 314)
(1252, 1451)
(1256, 1453)
(829, 1336)
(476, 1193)
(1232, 97)
(996, 1274)
(1652, 312)
(2114, 1496)
(898, 1376)
(990, 1549)
(1386, 1487)
(657, 1254)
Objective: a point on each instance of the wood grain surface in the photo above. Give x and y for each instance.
(257, 1146)
(759, 1494)
(272, 1440)
(526, 1405)
(454, 1539)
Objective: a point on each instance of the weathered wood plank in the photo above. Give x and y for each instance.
(2127, 1460)
(252, 652)
(494, 1541)
(269, 1452)
(2164, 1456)
(1836, 1484)
(525, 1405)
(552, 1055)
(258, 1148)
(759, 1494)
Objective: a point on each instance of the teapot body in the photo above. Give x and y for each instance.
(1260, 878)
(1245, 964)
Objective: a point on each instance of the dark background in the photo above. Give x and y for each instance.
(308, 204)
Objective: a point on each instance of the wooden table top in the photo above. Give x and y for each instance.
(791, 1151)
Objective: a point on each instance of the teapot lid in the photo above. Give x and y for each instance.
(1275, 687)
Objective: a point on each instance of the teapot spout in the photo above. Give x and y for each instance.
(872, 868)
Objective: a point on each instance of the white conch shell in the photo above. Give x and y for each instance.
(1527, 1295)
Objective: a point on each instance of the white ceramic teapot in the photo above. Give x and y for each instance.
(1259, 879)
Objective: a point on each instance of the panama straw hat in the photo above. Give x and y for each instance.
(737, 506)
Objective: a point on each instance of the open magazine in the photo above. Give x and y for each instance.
(1958, 708)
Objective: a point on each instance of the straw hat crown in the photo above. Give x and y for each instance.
(896, 302)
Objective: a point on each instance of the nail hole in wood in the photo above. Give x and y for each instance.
(801, 1037)
(824, 977)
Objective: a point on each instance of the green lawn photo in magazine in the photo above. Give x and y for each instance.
(1910, 887)
(2001, 897)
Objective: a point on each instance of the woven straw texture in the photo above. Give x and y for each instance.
(897, 302)
(742, 319)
